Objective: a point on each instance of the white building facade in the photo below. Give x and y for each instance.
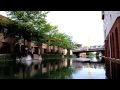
(109, 18)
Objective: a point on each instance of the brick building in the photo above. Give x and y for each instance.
(111, 24)
(111, 20)
(23, 41)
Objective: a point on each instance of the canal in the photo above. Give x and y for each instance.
(78, 69)
(88, 71)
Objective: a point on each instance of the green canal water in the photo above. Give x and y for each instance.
(76, 70)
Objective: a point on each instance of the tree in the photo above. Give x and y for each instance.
(42, 31)
(63, 40)
(34, 21)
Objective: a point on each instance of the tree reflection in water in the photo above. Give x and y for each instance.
(76, 70)
(63, 73)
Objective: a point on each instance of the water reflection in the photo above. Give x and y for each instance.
(13, 69)
(6, 69)
(63, 73)
(78, 70)
(96, 59)
(27, 60)
(88, 70)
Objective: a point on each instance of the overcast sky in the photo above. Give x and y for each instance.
(85, 27)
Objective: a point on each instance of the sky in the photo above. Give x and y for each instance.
(85, 27)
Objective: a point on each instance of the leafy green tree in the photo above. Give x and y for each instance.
(34, 21)
(42, 31)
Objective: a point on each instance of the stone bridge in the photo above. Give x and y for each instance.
(90, 49)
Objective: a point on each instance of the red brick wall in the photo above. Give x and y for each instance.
(115, 42)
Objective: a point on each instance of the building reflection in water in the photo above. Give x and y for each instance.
(88, 70)
(11, 69)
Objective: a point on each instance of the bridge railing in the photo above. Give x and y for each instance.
(90, 48)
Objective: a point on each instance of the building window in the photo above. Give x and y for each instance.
(36, 50)
(105, 33)
(117, 43)
(103, 15)
(113, 46)
(110, 17)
